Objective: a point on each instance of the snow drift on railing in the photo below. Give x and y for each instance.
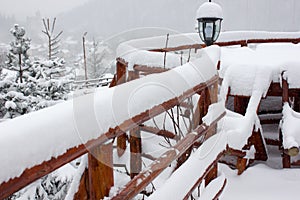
(290, 127)
(36, 137)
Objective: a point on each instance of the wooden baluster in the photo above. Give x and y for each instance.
(212, 174)
(240, 104)
(100, 171)
(121, 78)
(135, 152)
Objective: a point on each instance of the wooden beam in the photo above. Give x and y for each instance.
(240, 104)
(83, 190)
(135, 152)
(156, 131)
(149, 69)
(230, 43)
(212, 174)
(121, 78)
(100, 171)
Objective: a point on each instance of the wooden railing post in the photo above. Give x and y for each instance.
(120, 79)
(240, 104)
(135, 152)
(83, 189)
(212, 174)
(100, 171)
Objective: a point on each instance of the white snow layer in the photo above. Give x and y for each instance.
(39, 136)
(243, 65)
(183, 179)
(290, 127)
(209, 10)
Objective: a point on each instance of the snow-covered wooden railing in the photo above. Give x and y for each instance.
(289, 131)
(230, 38)
(46, 140)
(102, 81)
(140, 181)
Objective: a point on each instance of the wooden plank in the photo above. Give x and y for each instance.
(121, 78)
(212, 174)
(149, 69)
(285, 91)
(240, 104)
(100, 171)
(286, 160)
(83, 190)
(156, 131)
(230, 43)
(135, 152)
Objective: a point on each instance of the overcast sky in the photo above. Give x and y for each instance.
(22, 8)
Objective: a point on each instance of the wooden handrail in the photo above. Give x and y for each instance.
(38, 171)
(230, 43)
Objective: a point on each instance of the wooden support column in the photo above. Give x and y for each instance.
(241, 165)
(135, 152)
(285, 90)
(286, 160)
(100, 171)
(240, 104)
(212, 174)
(256, 139)
(83, 190)
(213, 95)
(121, 78)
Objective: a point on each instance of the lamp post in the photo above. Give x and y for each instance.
(84, 55)
(209, 17)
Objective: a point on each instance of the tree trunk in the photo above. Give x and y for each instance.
(20, 68)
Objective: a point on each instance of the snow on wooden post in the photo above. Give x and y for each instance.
(100, 171)
(135, 152)
(121, 78)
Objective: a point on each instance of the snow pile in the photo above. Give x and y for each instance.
(291, 74)
(181, 181)
(52, 131)
(243, 65)
(209, 9)
(290, 127)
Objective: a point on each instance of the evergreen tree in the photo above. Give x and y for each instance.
(97, 62)
(18, 59)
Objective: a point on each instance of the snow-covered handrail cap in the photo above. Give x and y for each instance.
(210, 10)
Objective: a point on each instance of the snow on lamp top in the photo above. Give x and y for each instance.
(209, 10)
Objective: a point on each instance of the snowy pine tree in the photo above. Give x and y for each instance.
(18, 59)
(97, 62)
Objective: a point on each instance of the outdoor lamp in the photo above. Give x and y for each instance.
(209, 16)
